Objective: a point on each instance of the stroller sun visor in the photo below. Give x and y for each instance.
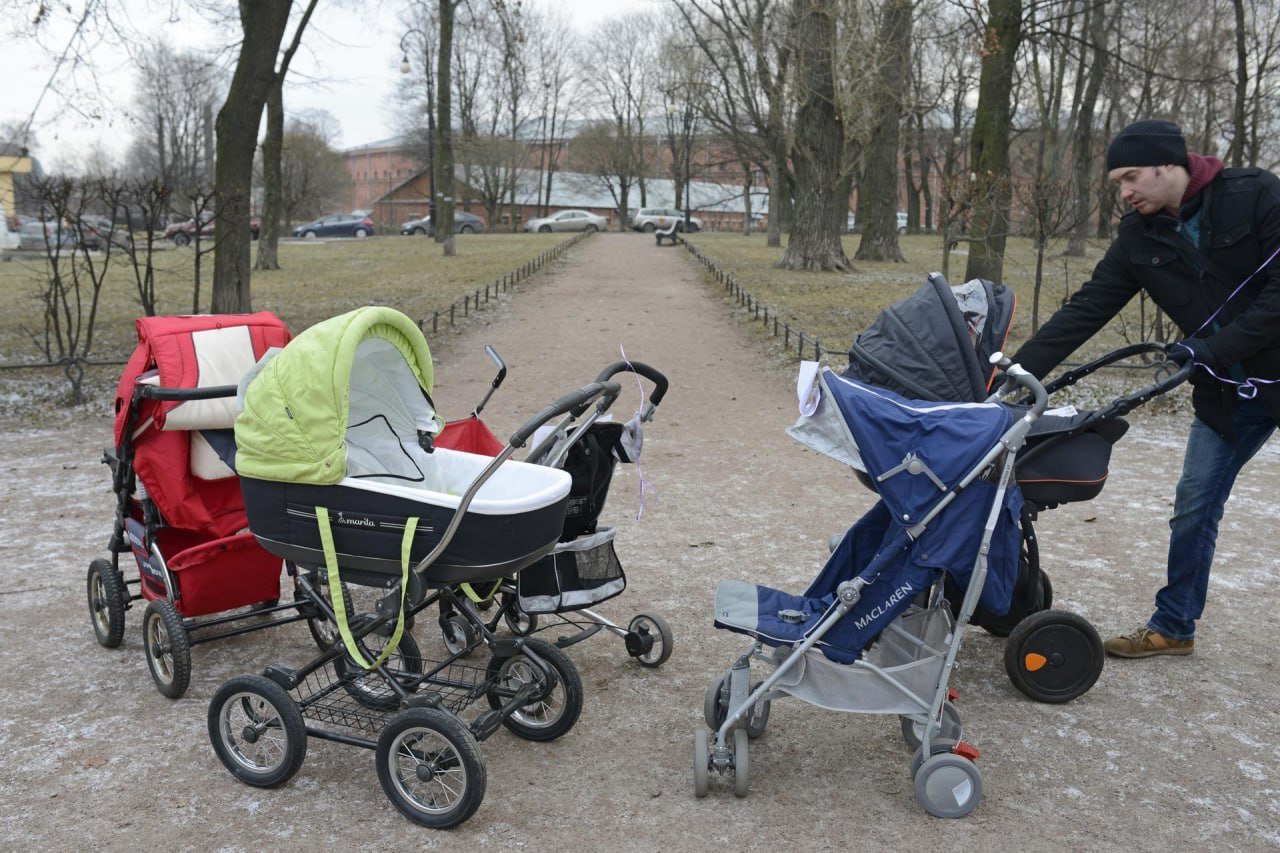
(345, 394)
(934, 344)
(915, 451)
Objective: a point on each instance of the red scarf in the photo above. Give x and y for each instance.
(1202, 171)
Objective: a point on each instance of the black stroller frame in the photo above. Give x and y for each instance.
(406, 708)
(169, 636)
(647, 636)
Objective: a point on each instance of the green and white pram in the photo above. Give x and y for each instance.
(873, 634)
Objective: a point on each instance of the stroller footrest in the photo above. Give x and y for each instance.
(486, 724)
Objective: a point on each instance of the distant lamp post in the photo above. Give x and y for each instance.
(405, 68)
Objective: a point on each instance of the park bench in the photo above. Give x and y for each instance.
(669, 233)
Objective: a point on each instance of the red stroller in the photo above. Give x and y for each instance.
(179, 508)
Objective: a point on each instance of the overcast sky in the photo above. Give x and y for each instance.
(350, 55)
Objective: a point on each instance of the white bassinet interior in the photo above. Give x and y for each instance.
(388, 411)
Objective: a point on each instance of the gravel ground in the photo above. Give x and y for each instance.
(1173, 754)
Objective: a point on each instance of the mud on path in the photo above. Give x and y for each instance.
(1162, 754)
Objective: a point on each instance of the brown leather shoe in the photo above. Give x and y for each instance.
(1145, 643)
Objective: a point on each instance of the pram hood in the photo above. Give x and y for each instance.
(367, 371)
(935, 344)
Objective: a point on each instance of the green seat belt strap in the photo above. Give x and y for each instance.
(471, 593)
(335, 589)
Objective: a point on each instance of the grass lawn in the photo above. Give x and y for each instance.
(835, 307)
(318, 279)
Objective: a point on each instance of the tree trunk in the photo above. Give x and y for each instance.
(1082, 153)
(263, 23)
(444, 130)
(1239, 131)
(777, 199)
(814, 242)
(878, 191)
(989, 159)
(272, 180)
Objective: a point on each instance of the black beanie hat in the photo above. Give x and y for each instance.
(1147, 143)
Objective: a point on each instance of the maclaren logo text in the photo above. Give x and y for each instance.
(881, 609)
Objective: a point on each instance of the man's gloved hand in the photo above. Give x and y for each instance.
(1189, 349)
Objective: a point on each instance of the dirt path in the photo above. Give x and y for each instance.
(1167, 754)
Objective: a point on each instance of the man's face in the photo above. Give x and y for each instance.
(1148, 189)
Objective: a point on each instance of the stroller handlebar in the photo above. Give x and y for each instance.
(1017, 376)
(152, 392)
(638, 367)
(577, 400)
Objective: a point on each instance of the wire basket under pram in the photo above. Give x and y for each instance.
(583, 570)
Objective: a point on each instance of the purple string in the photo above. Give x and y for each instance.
(644, 486)
(1248, 389)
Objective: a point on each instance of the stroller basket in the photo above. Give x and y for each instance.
(577, 574)
(361, 701)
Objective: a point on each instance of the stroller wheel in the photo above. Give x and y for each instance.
(323, 630)
(518, 622)
(758, 719)
(429, 766)
(257, 731)
(164, 639)
(370, 688)
(715, 705)
(952, 729)
(701, 764)
(544, 717)
(107, 600)
(459, 636)
(948, 785)
(646, 625)
(1053, 656)
(741, 763)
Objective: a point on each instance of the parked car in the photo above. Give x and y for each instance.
(463, 223)
(568, 220)
(182, 233)
(37, 236)
(651, 219)
(336, 225)
(96, 232)
(852, 224)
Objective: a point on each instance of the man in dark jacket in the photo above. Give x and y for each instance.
(1202, 241)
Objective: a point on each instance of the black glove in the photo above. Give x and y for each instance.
(1189, 349)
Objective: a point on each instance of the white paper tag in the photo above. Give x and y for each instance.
(808, 391)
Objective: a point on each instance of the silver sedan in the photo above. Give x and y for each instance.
(568, 220)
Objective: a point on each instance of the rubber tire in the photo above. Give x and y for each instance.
(570, 687)
(544, 229)
(701, 764)
(308, 235)
(376, 694)
(520, 627)
(664, 638)
(360, 233)
(758, 719)
(940, 745)
(291, 723)
(457, 633)
(466, 229)
(1072, 646)
(591, 229)
(182, 238)
(161, 613)
(952, 727)
(741, 763)
(319, 626)
(419, 232)
(945, 774)
(465, 751)
(649, 228)
(714, 707)
(107, 601)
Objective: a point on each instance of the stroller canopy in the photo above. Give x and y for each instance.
(344, 391)
(935, 344)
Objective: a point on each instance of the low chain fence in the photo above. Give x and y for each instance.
(74, 366)
(795, 340)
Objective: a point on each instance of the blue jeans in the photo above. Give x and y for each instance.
(1209, 471)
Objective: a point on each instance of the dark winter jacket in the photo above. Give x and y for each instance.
(1239, 229)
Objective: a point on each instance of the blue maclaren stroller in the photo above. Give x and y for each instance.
(874, 633)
